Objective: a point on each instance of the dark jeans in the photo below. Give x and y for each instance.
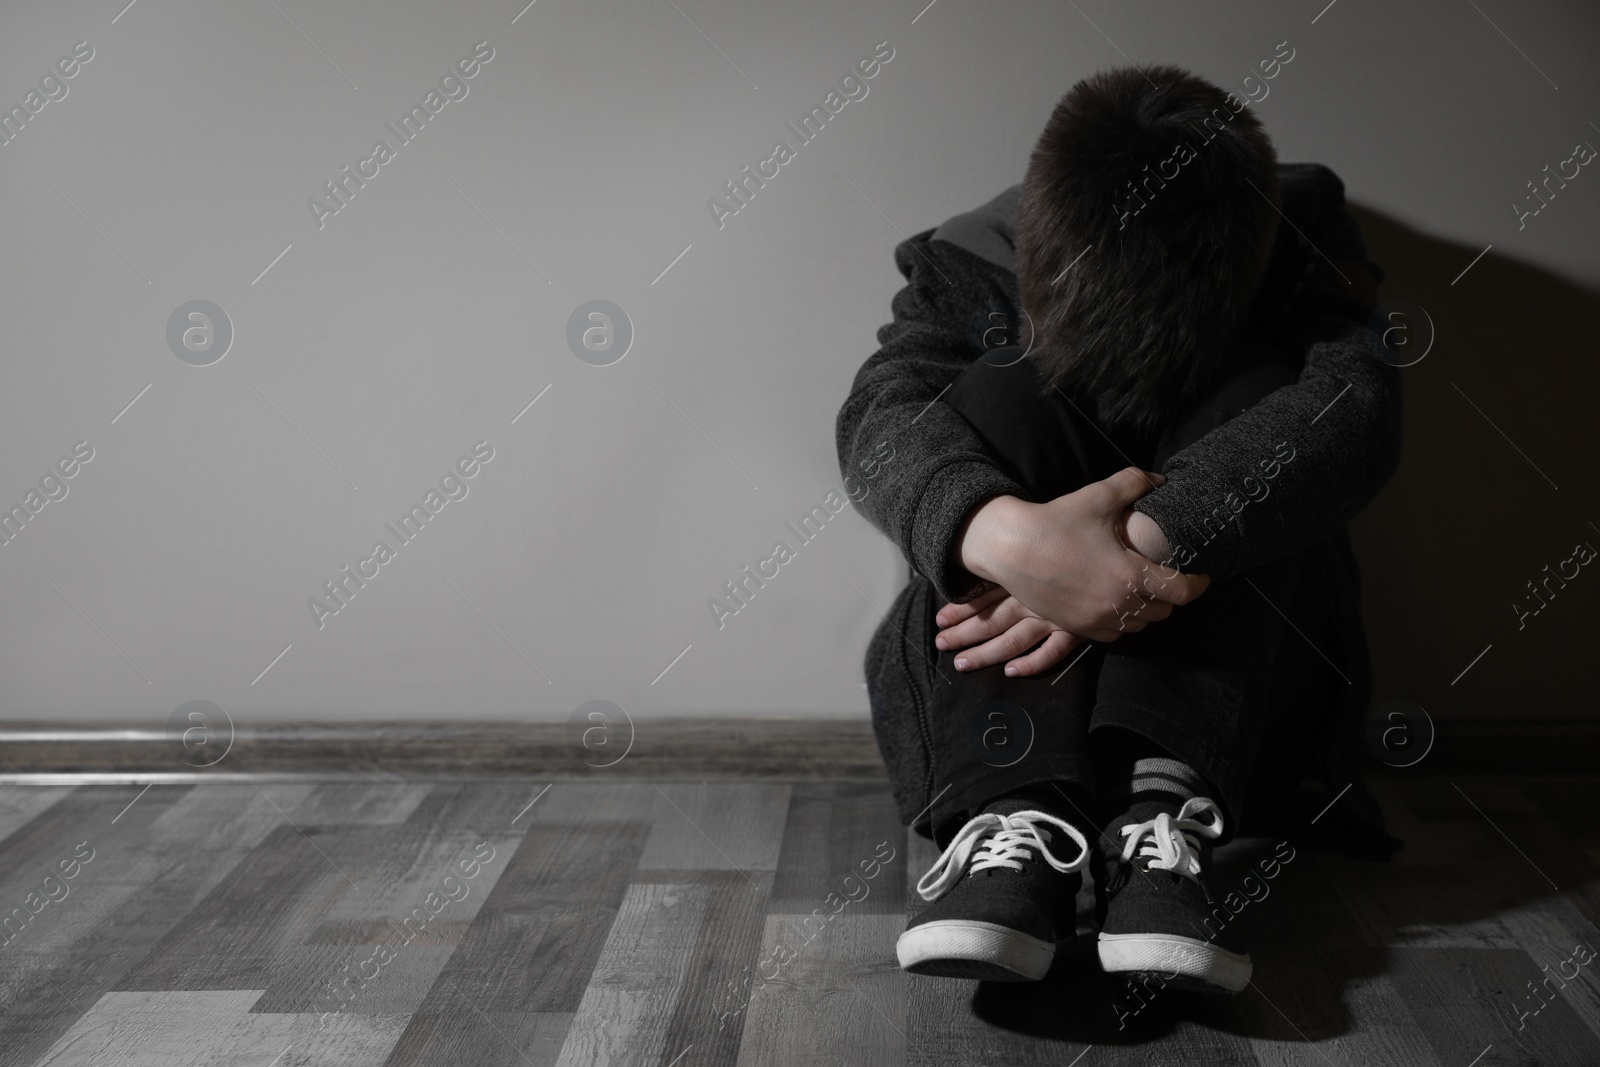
(1198, 685)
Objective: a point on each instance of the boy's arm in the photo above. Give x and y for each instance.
(918, 471)
(1310, 456)
(914, 467)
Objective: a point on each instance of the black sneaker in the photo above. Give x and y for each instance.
(1159, 918)
(999, 910)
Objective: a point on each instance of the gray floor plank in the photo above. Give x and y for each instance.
(481, 806)
(597, 801)
(839, 999)
(1468, 1000)
(1316, 993)
(539, 931)
(940, 1012)
(1079, 1010)
(118, 903)
(695, 825)
(21, 804)
(1552, 932)
(1329, 1006)
(288, 918)
(253, 922)
(93, 815)
(710, 826)
(708, 1015)
(481, 1039)
(1420, 904)
(627, 1007)
(400, 923)
(840, 841)
(633, 922)
(349, 803)
(178, 1029)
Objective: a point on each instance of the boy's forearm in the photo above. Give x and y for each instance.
(940, 471)
(1290, 470)
(1225, 507)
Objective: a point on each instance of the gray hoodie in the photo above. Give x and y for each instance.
(1343, 416)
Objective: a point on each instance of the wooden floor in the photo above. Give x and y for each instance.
(690, 924)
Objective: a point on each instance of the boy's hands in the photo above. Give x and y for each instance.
(1006, 630)
(1066, 569)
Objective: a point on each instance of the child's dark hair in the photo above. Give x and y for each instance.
(1147, 215)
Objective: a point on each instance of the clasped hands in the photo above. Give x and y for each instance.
(1079, 567)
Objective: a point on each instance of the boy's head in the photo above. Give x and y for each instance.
(1147, 216)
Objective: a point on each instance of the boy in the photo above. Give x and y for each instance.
(1158, 295)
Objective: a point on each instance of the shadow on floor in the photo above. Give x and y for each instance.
(1080, 1003)
(1442, 941)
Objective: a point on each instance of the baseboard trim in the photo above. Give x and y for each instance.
(661, 749)
(684, 748)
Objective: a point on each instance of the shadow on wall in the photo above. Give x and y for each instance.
(1497, 486)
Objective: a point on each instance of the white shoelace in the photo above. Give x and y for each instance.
(1168, 843)
(991, 840)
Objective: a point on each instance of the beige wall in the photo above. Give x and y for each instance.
(429, 312)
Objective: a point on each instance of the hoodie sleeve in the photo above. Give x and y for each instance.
(1307, 458)
(912, 465)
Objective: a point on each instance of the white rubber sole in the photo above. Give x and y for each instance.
(1200, 962)
(962, 948)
